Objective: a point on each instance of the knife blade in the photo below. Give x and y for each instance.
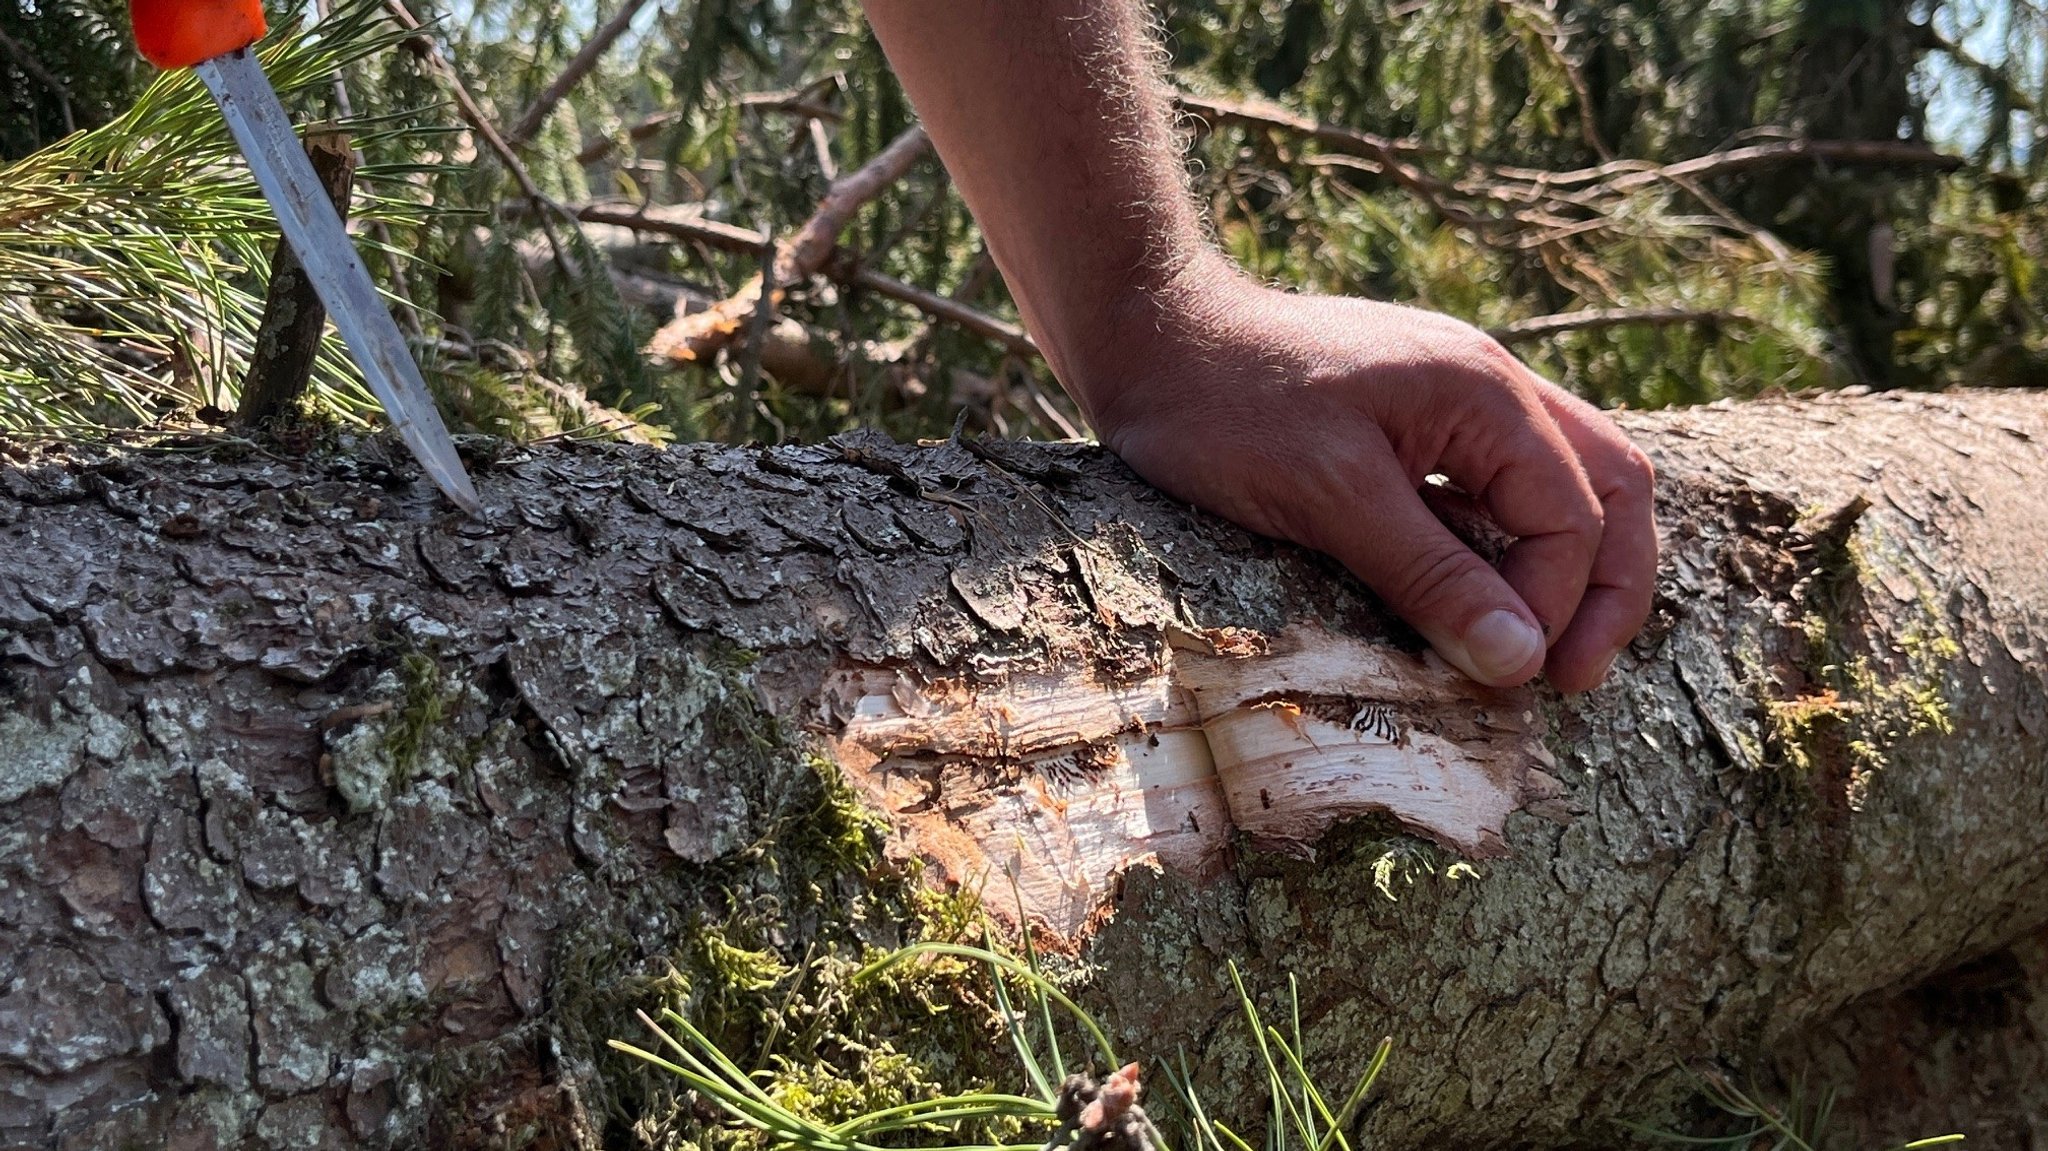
(213, 38)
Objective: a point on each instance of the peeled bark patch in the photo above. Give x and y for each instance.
(1060, 779)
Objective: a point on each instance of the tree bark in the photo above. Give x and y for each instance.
(330, 819)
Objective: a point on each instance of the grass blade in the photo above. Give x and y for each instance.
(1349, 1112)
(1031, 977)
(1052, 1038)
(1020, 1038)
(1283, 1100)
(924, 1110)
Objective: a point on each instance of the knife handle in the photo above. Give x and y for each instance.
(181, 33)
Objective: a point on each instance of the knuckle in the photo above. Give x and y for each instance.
(1434, 579)
(1629, 475)
(1451, 343)
(1494, 359)
(1642, 474)
(1496, 354)
(1586, 518)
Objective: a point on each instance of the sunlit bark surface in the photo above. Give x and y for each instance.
(311, 791)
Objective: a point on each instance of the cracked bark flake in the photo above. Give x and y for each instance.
(196, 654)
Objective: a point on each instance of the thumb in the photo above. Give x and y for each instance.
(1466, 611)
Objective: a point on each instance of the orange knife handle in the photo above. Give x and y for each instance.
(181, 33)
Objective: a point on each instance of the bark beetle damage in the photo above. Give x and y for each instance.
(1058, 779)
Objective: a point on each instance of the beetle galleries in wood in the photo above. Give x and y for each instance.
(1058, 779)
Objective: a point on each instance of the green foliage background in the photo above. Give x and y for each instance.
(132, 255)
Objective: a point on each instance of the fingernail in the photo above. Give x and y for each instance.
(1500, 643)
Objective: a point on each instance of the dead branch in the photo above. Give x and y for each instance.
(699, 336)
(803, 108)
(572, 74)
(603, 146)
(472, 113)
(1714, 164)
(796, 102)
(1594, 319)
(808, 249)
(1618, 175)
(1554, 205)
(681, 223)
(821, 143)
(288, 337)
(1265, 114)
(1013, 338)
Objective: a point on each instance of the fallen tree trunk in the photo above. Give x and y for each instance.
(330, 819)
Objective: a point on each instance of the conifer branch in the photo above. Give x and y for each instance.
(572, 74)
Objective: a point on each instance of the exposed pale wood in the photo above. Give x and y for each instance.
(1059, 781)
(1323, 727)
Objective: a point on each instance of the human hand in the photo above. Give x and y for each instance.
(1316, 419)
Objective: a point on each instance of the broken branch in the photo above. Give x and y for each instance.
(1013, 338)
(681, 223)
(699, 336)
(1593, 319)
(288, 337)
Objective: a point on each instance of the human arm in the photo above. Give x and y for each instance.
(1314, 419)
